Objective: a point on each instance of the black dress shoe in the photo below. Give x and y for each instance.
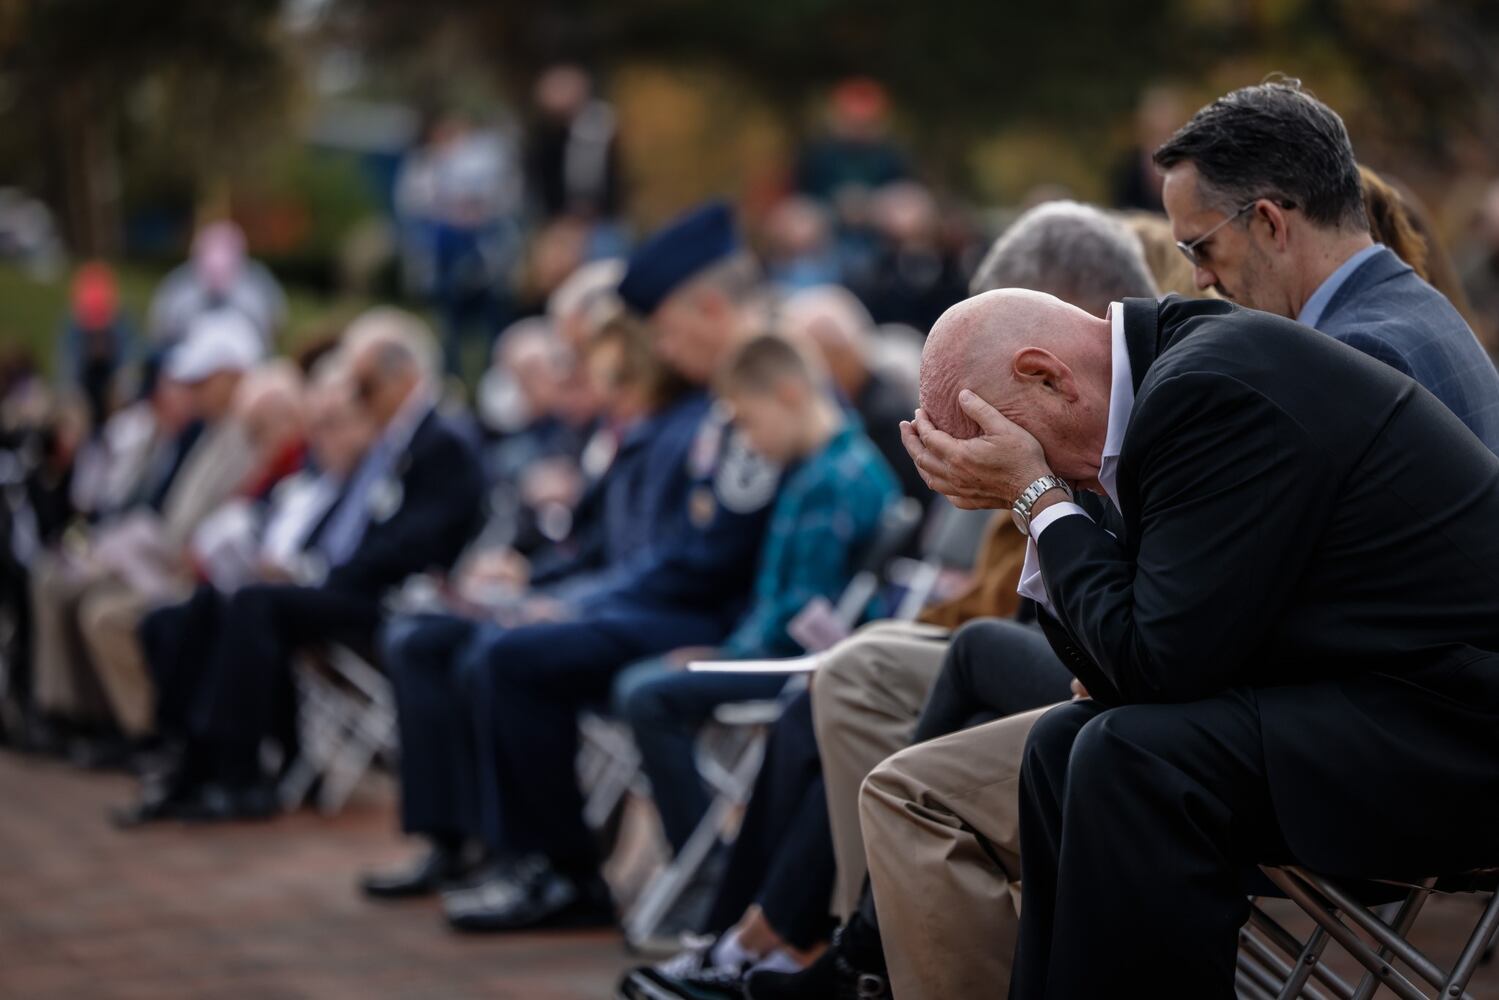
(831, 977)
(438, 867)
(170, 793)
(218, 803)
(531, 895)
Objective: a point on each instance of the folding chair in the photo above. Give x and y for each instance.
(608, 767)
(1274, 965)
(729, 756)
(346, 719)
(732, 748)
(950, 542)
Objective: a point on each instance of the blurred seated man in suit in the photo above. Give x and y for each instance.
(410, 506)
(254, 541)
(638, 502)
(524, 687)
(267, 406)
(138, 553)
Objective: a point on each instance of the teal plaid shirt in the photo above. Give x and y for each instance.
(827, 510)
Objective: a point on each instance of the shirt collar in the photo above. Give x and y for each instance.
(1311, 313)
(1121, 402)
(402, 427)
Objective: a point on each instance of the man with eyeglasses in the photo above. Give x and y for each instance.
(1265, 201)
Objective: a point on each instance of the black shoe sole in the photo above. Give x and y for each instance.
(570, 919)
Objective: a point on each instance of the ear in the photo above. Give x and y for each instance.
(712, 302)
(1037, 367)
(1275, 221)
(791, 393)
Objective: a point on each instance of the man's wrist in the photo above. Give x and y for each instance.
(1050, 498)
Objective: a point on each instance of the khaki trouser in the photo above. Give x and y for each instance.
(866, 697)
(108, 618)
(942, 830)
(63, 680)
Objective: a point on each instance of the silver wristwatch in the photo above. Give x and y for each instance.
(1020, 510)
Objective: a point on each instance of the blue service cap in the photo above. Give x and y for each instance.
(684, 247)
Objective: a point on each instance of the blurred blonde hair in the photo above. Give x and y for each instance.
(1167, 266)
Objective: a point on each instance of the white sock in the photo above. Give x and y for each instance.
(779, 960)
(729, 954)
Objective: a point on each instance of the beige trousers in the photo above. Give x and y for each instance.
(108, 618)
(62, 677)
(949, 901)
(866, 697)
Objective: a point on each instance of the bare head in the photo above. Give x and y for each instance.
(391, 356)
(831, 320)
(1042, 363)
(268, 404)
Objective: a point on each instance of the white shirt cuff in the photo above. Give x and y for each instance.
(1055, 512)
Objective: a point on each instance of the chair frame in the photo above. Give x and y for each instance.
(1274, 965)
(347, 720)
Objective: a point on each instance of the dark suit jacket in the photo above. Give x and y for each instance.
(441, 494)
(1303, 520)
(1386, 311)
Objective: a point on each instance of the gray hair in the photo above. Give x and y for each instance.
(399, 339)
(1076, 252)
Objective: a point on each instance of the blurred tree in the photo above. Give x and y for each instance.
(86, 83)
(1415, 74)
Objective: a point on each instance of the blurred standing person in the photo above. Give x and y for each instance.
(1137, 182)
(798, 245)
(856, 154)
(844, 166)
(913, 278)
(218, 276)
(572, 156)
(459, 197)
(96, 340)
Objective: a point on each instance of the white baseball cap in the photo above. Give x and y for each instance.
(218, 341)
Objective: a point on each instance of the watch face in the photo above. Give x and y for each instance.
(1020, 523)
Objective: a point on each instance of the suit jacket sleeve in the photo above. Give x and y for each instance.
(441, 497)
(1232, 495)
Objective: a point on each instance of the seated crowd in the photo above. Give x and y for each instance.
(1249, 451)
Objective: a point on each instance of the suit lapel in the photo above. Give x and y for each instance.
(1142, 336)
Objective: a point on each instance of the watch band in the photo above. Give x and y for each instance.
(1021, 509)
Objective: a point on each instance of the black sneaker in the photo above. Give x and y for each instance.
(831, 977)
(689, 975)
(529, 896)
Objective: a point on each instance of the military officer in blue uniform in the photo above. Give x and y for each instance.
(518, 691)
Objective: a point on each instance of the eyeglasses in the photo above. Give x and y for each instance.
(1191, 250)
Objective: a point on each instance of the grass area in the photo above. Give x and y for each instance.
(32, 311)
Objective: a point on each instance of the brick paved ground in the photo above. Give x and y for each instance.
(269, 911)
(265, 911)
